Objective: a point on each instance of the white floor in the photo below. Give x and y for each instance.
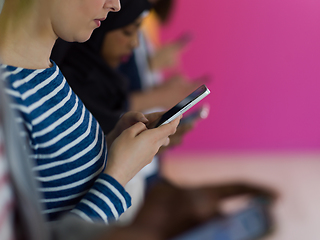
(295, 176)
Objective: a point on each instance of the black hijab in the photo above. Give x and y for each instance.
(130, 11)
(102, 89)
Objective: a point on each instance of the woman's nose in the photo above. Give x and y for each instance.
(113, 5)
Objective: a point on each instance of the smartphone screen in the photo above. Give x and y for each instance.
(184, 105)
(250, 223)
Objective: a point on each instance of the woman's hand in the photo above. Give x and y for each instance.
(177, 138)
(165, 95)
(168, 55)
(127, 120)
(135, 148)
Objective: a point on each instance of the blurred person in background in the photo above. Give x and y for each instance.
(152, 90)
(145, 66)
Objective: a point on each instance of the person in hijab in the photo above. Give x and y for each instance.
(91, 68)
(96, 81)
(91, 71)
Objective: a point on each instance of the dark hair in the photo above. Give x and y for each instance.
(130, 11)
(163, 9)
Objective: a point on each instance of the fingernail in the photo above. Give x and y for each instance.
(144, 119)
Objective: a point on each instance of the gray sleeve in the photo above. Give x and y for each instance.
(72, 227)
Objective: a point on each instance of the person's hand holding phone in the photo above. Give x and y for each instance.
(168, 56)
(126, 120)
(135, 147)
(166, 94)
(187, 123)
(177, 88)
(177, 138)
(170, 210)
(184, 105)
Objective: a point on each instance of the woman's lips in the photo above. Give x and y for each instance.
(98, 22)
(125, 58)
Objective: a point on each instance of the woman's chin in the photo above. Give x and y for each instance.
(83, 38)
(124, 59)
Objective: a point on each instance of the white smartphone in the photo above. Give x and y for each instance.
(184, 105)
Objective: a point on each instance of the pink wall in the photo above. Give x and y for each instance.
(264, 59)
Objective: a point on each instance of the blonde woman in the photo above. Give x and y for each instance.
(68, 146)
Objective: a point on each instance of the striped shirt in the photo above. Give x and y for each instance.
(68, 146)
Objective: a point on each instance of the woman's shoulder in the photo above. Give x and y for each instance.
(23, 79)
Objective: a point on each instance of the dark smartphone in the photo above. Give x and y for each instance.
(184, 105)
(250, 223)
(184, 38)
(200, 113)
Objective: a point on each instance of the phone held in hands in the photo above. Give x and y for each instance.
(184, 105)
(201, 112)
(252, 222)
(184, 38)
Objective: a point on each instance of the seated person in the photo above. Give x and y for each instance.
(68, 147)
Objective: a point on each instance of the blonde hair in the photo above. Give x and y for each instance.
(13, 11)
(16, 6)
